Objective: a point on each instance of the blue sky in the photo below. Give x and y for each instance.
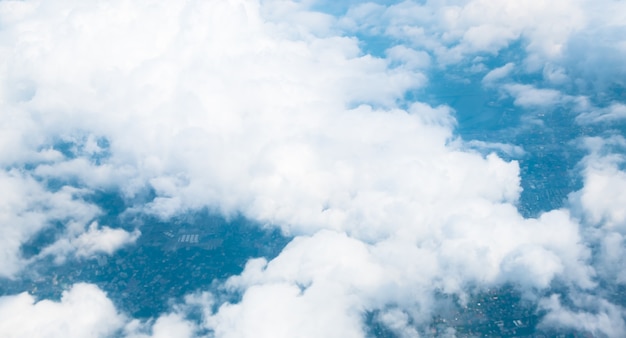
(403, 151)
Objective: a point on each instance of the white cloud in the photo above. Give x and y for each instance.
(509, 149)
(532, 267)
(305, 291)
(278, 310)
(265, 109)
(605, 319)
(528, 96)
(569, 41)
(498, 73)
(399, 322)
(82, 311)
(88, 243)
(167, 325)
(27, 208)
(614, 112)
(454, 31)
(101, 176)
(322, 279)
(601, 199)
(611, 264)
(102, 240)
(556, 75)
(411, 58)
(600, 204)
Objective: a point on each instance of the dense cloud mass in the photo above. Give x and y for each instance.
(275, 111)
(83, 311)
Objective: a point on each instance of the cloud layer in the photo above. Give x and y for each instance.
(272, 110)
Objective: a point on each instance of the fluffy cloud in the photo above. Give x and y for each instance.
(488, 147)
(167, 325)
(498, 73)
(600, 204)
(529, 96)
(601, 198)
(93, 241)
(605, 319)
(82, 311)
(268, 109)
(616, 111)
(453, 31)
(567, 41)
(323, 279)
(28, 208)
